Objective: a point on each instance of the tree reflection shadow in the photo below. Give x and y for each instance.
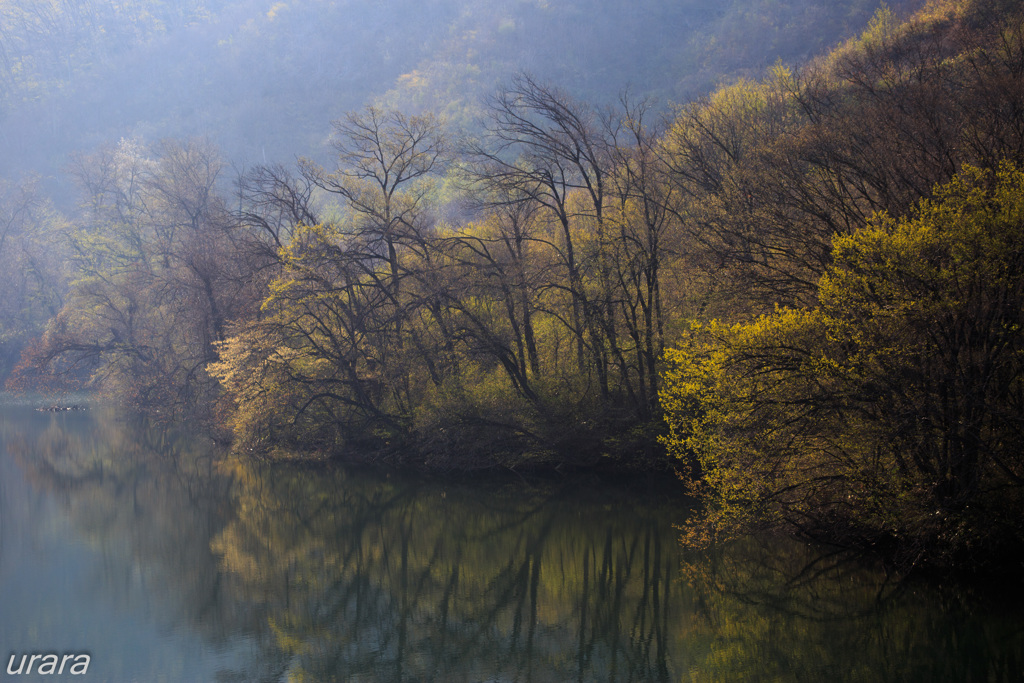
(406, 579)
(350, 574)
(780, 609)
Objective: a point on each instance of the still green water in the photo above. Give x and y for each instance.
(145, 549)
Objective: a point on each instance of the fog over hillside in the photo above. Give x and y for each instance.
(773, 247)
(263, 79)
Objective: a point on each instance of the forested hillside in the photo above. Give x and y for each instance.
(805, 287)
(258, 82)
(262, 78)
(857, 375)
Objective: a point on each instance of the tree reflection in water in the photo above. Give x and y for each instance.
(408, 579)
(780, 609)
(145, 503)
(331, 573)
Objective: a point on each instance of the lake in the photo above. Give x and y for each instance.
(163, 560)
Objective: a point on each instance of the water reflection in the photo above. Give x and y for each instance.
(402, 579)
(782, 610)
(105, 548)
(142, 546)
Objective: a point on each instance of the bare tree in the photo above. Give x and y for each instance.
(543, 147)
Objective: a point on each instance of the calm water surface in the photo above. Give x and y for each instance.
(139, 546)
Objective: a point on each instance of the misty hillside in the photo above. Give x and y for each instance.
(262, 78)
(802, 290)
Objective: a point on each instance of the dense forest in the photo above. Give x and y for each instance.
(804, 290)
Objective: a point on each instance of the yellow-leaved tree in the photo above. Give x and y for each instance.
(891, 415)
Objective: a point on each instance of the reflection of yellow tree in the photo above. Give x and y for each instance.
(397, 579)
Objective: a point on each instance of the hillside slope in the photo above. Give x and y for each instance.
(264, 78)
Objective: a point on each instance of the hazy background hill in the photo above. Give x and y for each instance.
(262, 78)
